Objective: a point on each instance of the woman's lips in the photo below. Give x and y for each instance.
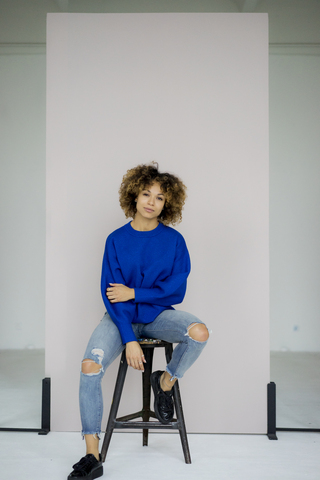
(148, 210)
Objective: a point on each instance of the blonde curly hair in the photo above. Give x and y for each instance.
(139, 178)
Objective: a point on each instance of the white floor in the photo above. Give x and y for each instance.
(21, 374)
(295, 456)
(297, 379)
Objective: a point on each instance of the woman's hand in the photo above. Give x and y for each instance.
(119, 293)
(134, 356)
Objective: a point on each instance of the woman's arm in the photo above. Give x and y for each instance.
(134, 356)
(165, 292)
(121, 312)
(170, 290)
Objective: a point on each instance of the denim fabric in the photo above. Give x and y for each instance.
(105, 345)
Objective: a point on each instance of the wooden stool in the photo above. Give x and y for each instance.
(148, 346)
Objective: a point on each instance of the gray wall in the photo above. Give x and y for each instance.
(295, 202)
(22, 201)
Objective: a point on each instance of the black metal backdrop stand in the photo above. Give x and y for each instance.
(272, 411)
(272, 428)
(45, 412)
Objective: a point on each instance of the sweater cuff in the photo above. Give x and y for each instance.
(128, 336)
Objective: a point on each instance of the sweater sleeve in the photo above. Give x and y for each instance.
(122, 313)
(170, 290)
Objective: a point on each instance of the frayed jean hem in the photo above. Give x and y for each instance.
(95, 434)
(173, 377)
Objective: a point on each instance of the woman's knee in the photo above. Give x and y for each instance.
(90, 367)
(198, 332)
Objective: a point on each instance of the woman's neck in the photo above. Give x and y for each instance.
(144, 225)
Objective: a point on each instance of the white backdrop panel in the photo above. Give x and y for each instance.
(191, 92)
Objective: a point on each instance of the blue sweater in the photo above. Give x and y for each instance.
(155, 263)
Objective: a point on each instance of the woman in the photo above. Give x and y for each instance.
(144, 272)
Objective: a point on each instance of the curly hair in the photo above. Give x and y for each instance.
(139, 178)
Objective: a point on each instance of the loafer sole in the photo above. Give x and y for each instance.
(95, 473)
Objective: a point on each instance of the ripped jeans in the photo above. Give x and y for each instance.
(105, 345)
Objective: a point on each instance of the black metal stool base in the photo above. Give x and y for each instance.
(146, 413)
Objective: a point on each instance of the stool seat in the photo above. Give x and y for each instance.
(127, 421)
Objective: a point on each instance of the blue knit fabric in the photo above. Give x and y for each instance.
(155, 263)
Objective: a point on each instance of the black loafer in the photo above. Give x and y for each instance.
(163, 401)
(88, 468)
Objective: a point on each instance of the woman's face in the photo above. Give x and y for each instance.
(150, 202)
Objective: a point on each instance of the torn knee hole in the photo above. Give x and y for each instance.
(90, 367)
(198, 332)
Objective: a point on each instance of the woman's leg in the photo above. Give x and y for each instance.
(191, 335)
(104, 346)
(188, 331)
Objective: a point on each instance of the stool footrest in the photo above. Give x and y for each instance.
(132, 416)
(148, 425)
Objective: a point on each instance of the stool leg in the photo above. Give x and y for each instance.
(146, 391)
(179, 411)
(182, 425)
(115, 405)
